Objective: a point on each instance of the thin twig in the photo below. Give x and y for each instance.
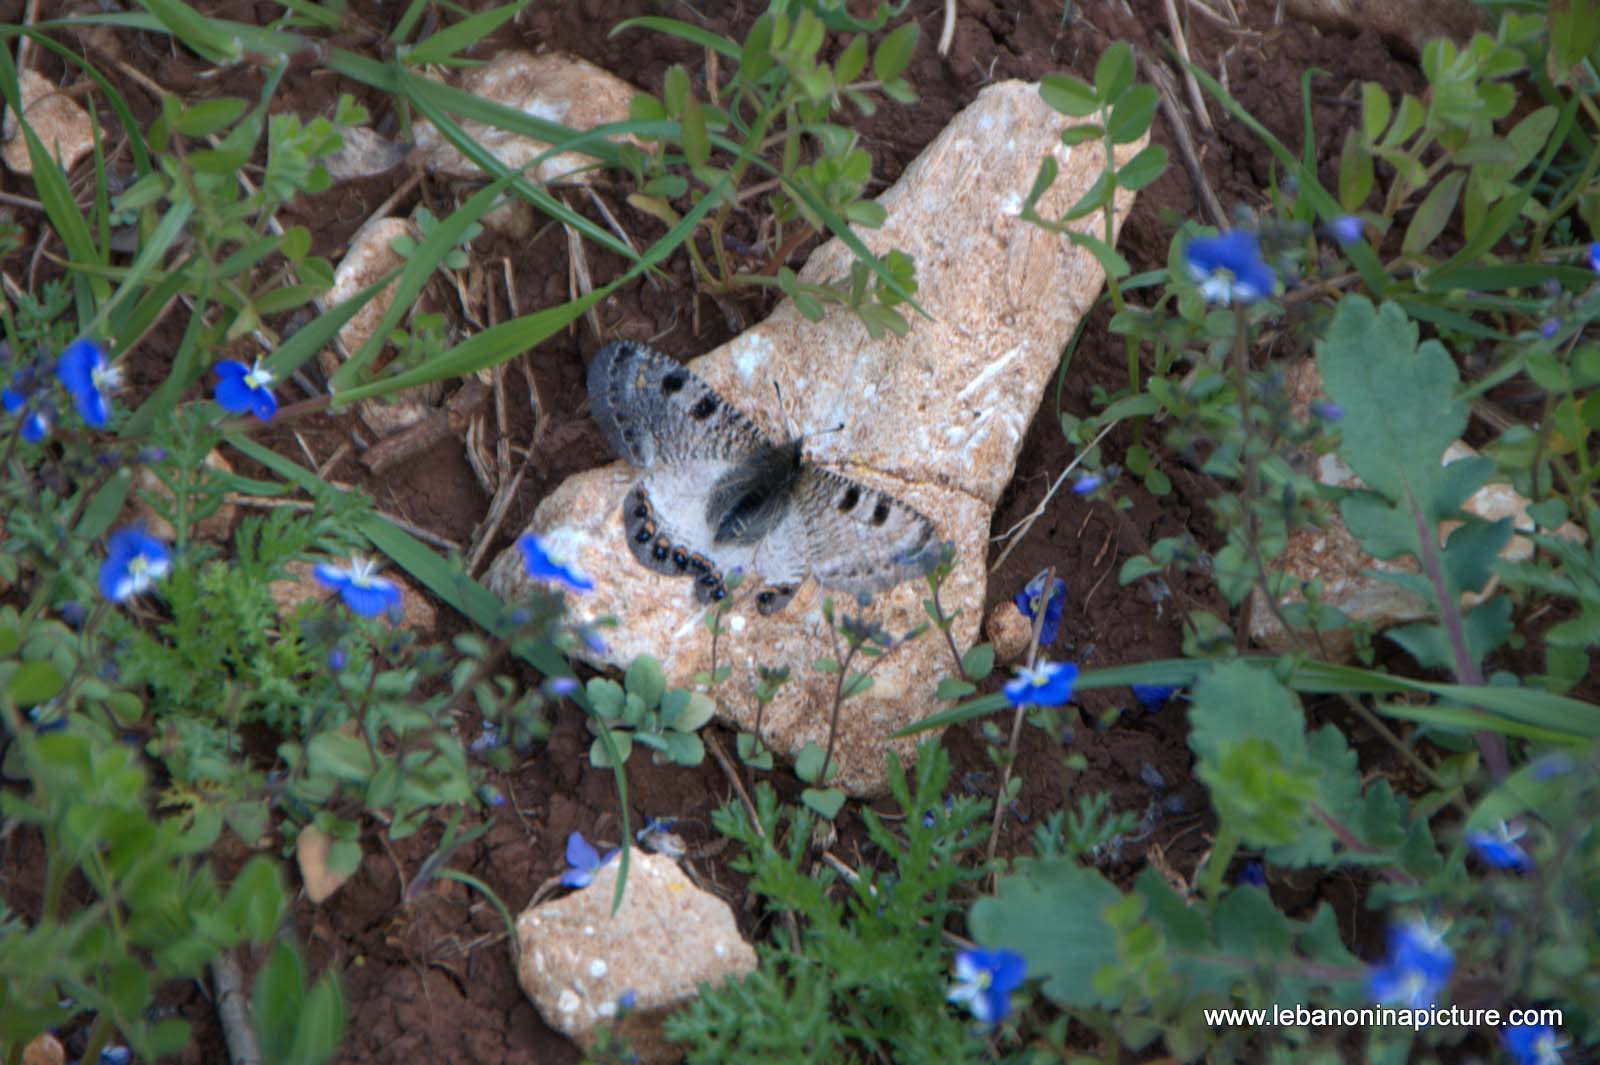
(1181, 39)
(947, 33)
(1017, 718)
(1178, 123)
(233, 1009)
(1020, 529)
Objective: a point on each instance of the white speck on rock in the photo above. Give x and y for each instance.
(588, 929)
(569, 1001)
(606, 1009)
(751, 350)
(736, 623)
(720, 950)
(597, 968)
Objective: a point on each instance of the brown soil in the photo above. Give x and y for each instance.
(432, 981)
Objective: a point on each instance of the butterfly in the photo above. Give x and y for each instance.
(717, 495)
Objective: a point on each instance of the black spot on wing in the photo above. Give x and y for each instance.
(848, 501)
(674, 382)
(880, 513)
(704, 408)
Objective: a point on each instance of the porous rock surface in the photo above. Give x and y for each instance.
(64, 128)
(936, 417)
(576, 960)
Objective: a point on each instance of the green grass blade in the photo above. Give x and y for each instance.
(443, 46)
(683, 30)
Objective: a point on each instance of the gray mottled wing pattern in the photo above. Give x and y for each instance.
(860, 540)
(654, 411)
(718, 495)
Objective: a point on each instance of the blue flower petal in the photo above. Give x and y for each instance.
(1594, 256)
(234, 396)
(75, 369)
(1050, 684)
(371, 598)
(581, 854)
(542, 566)
(1229, 267)
(134, 562)
(1152, 696)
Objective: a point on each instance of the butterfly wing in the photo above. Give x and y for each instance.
(653, 411)
(857, 539)
(686, 438)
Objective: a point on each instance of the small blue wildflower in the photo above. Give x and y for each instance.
(1152, 696)
(1549, 328)
(1328, 412)
(1253, 874)
(362, 590)
(658, 836)
(74, 613)
(491, 796)
(1594, 256)
(1229, 268)
(1498, 847)
(930, 818)
(35, 420)
(1553, 765)
(560, 687)
(337, 659)
(543, 565)
(985, 980)
(487, 740)
(1417, 969)
(592, 639)
(1050, 684)
(1533, 1044)
(135, 561)
(583, 862)
(1087, 484)
(242, 388)
(84, 372)
(1027, 601)
(627, 1000)
(115, 1056)
(1347, 229)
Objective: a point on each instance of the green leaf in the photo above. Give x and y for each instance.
(600, 757)
(1130, 118)
(646, 679)
(1144, 168)
(1355, 173)
(1434, 213)
(35, 682)
(978, 662)
(1399, 399)
(1375, 111)
(1069, 95)
(895, 51)
(256, 901)
(826, 802)
(606, 697)
(1114, 72)
(697, 713)
(1069, 900)
(209, 116)
(808, 765)
(951, 688)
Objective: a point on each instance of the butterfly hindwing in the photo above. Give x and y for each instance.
(860, 540)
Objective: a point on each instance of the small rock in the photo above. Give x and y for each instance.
(575, 959)
(1010, 631)
(370, 257)
(64, 128)
(44, 1050)
(311, 849)
(1334, 557)
(935, 418)
(364, 153)
(554, 87)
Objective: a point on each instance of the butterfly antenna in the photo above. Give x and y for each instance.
(788, 422)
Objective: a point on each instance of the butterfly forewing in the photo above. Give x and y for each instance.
(859, 540)
(654, 411)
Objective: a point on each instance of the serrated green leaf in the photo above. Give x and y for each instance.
(1399, 400)
(1069, 900)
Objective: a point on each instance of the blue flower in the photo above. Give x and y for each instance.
(243, 388)
(1347, 229)
(1533, 1044)
(135, 560)
(583, 862)
(491, 795)
(1229, 267)
(35, 420)
(1594, 256)
(560, 687)
(985, 980)
(487, 740)
(1253, 874)
(1089, 482)
(627, 1001)
(1027, 601)
(337, 659)
(362, 591)
(1499, 848)
(543, 565)
(1328, 412)
(1417, 969)
(1549, 328)
(1048, 685)
(84, 372)
(115, 1055)
(1152, 696)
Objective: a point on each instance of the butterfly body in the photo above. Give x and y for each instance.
(718, 495)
